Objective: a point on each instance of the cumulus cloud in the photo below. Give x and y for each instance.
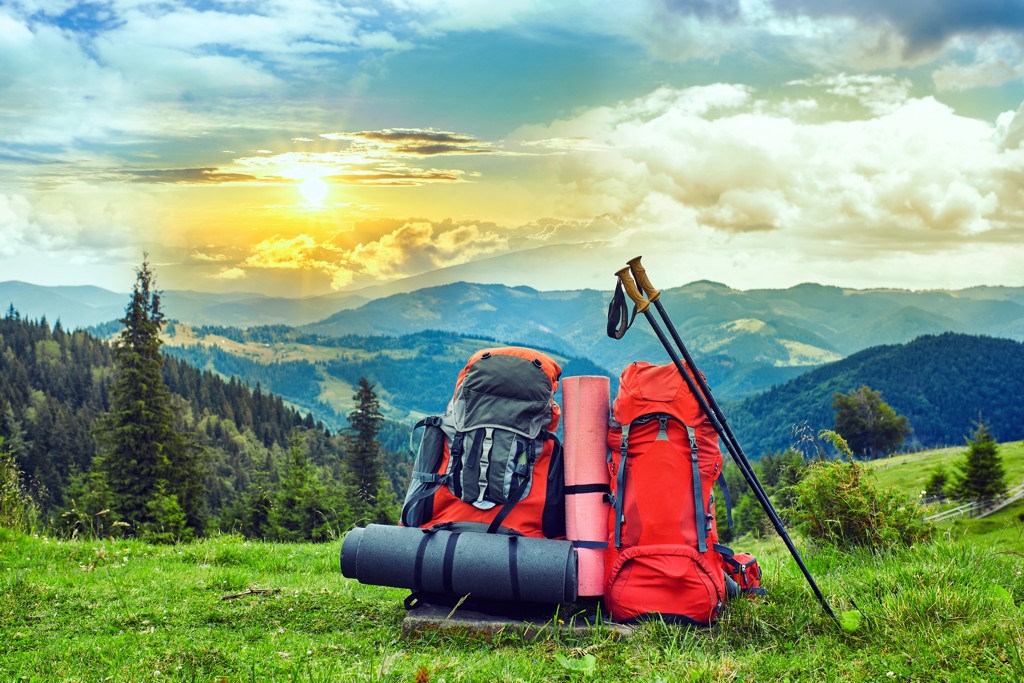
(393, 249)
(909, 174)
(877, 93)
(1010, 129)
(230, 274)
(991, 62)
(418, 247)
(196, 255)
(76, 226)
(298, 252)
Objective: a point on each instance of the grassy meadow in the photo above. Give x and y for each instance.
(227, 609)
(1003, 530)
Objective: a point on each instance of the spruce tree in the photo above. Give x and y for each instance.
(149, 468)
(981, 474)
(297, 510)
(364, 456)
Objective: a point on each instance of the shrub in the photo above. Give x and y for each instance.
(835, 503)
(17, 509)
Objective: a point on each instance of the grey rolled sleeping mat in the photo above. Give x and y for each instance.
(487, 566)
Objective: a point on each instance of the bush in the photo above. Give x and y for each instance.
(17, 509)
(835, 504)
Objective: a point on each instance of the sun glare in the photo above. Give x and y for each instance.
(314, 190)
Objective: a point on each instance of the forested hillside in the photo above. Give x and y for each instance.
(55, 385)
(414, 374)
(941, 383)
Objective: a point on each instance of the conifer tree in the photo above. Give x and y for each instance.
(981, 474)
(364, 456)
(936, 485)
(297, 510)
(149, 468)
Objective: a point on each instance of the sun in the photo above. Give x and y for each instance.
(314, 190)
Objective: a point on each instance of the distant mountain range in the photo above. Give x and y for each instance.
(744, 341)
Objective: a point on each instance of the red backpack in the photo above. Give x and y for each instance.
(662, 558)
(492, 462)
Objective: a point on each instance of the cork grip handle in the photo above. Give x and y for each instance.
(631, 290)
(642, 281)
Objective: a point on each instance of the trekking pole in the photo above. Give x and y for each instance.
(718, 421)
(653, 296)
(700, 390)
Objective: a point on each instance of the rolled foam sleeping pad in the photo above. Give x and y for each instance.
(585, 402)
(487, 566)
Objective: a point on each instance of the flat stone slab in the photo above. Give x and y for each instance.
(429, 618)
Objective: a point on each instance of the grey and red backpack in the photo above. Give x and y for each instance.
(492, 459)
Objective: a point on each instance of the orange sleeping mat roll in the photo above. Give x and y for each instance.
(585, 402)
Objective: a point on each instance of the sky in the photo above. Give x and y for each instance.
(304, 147)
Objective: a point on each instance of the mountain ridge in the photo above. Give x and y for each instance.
(745, 341)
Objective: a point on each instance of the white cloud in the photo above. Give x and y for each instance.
(878, 94)
(197, 255)
(76, 225)
(390, 249)
(230, 274)
(296, 252)
(991, 62)
(723, 166)
(1010, 129)
(16, 225)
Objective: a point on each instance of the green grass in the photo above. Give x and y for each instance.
(910, 472)
(1002, 531)
(125, 610)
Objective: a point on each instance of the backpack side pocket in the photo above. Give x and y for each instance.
(426, 477)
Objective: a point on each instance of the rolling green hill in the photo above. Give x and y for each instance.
(941, 383)
(910, 472)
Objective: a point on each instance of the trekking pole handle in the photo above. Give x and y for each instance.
(632, 292)
(642, 281)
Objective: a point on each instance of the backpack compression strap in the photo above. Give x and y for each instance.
(698, 497)
(619, 499)
(619, 319)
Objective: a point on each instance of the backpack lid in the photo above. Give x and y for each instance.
(646, 388)
(509, 387)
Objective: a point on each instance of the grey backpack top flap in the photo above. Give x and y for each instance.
(502, 391)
